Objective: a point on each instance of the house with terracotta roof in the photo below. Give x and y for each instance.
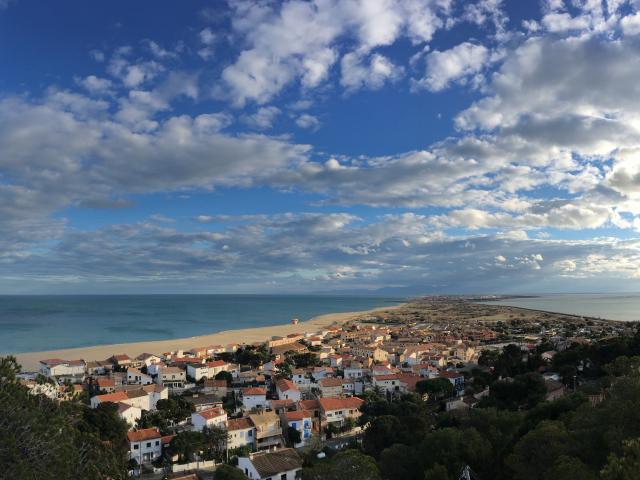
(148, 359)
(389, 383)
(280, 406)
(301, 421)
(456, 379)
(337, 410)
(254, 398)
(283, 464)
(330, 387)
(106, 385)
(129, 413)
(301, 378)
(145, 445)
(242, 432)
(215, 387)
(121, 360)
(287, 390)
(212, 417)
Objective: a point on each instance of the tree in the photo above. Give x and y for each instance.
(346, 465)
(215, 440)
(398, 462)
(381, 433)
(569, 468)
(227, 472)
(625, 466)
(436, 388)
(293, 436)
(186, 445)
(536, 453)
(437, 472)
(226, 376)
(525, 390)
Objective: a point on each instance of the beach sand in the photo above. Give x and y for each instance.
(30, 360)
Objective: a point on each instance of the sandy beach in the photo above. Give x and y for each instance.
(29, 360)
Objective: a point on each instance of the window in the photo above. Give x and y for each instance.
(148, 444)
(157, 442)
(136, 446)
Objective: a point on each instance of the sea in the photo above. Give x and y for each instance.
(42, 322)
(625, 307)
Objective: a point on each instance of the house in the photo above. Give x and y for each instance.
(555, 390)
(215, 387)
(147, 359)
(204, 402)
(242, 433)
(136, 377)
(72, 370)
(283, 464)
(254, 398)
(155, 393)
(301, 421)
(349, 386)
(389, 383)
(456, 378)
(338, 410)
(287, 390)
(330, 387)
(115, 397)
(369, 351)
(121, 360)
(145, 445)
(98, 367)
(129, 413)
(354, 371)
(171, 377)
(268, 430)
(106, 385)
(300, 377)
(212, 417)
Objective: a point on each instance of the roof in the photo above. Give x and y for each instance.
(449, 374)
(391, 376)
(298, 415)
(153, 388)
(143, 434)
(165, 370)
(106, 382)
(330, 382)
(239, 423)
(254, 391)
(136, 393)
(216, 363)
(113, 397)
(210, 413)
(327, 403)
(215, 383)
(121, 357)
(263, 418)
(283, 385)
(309, 404)
(269, 464)
(286, 403)
(144, 356)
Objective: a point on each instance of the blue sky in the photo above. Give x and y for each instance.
(319, 146)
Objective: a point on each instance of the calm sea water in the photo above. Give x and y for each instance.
(34, 323)
(610, 306)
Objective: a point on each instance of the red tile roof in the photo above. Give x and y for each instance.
(113, 397)
(143, 434)
(328, 404)
(298, 415)
(211, 413)
(254, 391)
(283, 385)
(330, 382)
(239, 423)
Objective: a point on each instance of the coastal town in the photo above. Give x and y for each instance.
(266, 402)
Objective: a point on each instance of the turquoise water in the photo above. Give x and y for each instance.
(624, 307)
(35, 323)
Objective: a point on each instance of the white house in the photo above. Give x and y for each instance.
(212, 417)
(171, 377)
(242, 432)
(129, 413)
(337, 410)
(136, 377)
(145, 445)
(354, 372)
(283, 464)
(301, 378)
(389, 383)
(300, 420)
(148, 359)
(287, 390)
(73, 370)
(254, 398)
(330, 387)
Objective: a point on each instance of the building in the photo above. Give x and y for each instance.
(242, 433)
(268, 430)
(283, 464)
(389, 383)
(212, 417)
(254, 398)
(301, 421)
(72, 370)
(145, 445)
(171, 377)
(287, 390)
(338, 410)
(457, 380)
(121, 360)
(136, 377)
(129, 413)
(330, 387)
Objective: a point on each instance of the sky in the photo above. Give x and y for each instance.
(363, 146)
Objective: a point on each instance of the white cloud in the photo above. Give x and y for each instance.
(95, 85)
(263, 118)
(454, 65)
(308, 121)
(356, 74)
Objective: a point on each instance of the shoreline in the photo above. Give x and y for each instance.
(30, 360)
